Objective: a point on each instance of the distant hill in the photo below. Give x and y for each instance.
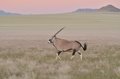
(85, 10)
(3, 13)
(108, 8)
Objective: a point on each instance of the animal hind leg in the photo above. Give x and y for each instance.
(80, 55)
(57, 55)
(74, 51)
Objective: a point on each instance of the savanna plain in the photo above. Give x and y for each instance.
(26, 54)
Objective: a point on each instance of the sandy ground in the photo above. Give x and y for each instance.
(39, 37)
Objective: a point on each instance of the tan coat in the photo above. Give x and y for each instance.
(64, 45)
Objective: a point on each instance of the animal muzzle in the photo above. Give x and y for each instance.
(49, 41)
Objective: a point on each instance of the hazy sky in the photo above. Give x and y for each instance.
(52, 6)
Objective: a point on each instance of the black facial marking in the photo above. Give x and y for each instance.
(50, 40)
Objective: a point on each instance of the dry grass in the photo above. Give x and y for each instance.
(35, 62)
(25, 53)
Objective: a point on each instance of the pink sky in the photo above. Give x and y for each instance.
(52, 6)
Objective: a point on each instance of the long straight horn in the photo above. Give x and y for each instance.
(58, 31)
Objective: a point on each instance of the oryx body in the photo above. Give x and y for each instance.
(63, 45)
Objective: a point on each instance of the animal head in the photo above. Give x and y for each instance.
(54, 36)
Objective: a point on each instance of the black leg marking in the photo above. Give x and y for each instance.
(57, 56)
(74, 51)
(59, 52)
(79, 53)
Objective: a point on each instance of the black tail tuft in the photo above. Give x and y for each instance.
(85, 47)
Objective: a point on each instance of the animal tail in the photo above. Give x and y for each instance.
(83, 46)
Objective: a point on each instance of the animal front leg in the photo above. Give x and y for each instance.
(57, 55)
(73, 54)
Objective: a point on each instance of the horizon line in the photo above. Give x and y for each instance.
(53, 12)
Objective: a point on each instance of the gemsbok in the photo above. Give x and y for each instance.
(63, 45)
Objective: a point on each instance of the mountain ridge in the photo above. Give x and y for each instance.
(107, 8)
(4, 13)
